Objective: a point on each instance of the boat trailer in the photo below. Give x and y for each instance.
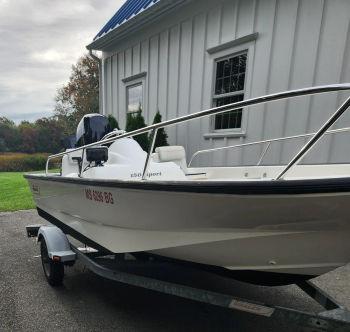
(120, 268)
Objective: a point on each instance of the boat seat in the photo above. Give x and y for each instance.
(174, 153)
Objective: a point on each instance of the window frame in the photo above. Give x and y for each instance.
(222, 54)
(129, 82)
(229, 94)
(128, 87)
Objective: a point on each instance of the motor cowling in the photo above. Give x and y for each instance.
(91, 128)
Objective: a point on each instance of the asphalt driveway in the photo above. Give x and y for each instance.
(87, 302)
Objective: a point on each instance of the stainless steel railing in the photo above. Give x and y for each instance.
(266, 141)
(230, 107)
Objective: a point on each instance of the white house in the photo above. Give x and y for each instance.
(183, 56)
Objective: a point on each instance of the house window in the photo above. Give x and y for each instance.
(229, 88)
(134, 98)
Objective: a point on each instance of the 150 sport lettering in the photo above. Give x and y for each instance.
(99, 196)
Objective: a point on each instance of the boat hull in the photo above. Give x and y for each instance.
(302, 233)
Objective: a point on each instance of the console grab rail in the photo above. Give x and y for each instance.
(268, 141)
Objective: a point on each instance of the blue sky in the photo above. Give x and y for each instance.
(39, 42)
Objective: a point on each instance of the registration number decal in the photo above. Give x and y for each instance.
(99, 196)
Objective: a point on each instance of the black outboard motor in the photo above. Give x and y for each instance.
(91, 128)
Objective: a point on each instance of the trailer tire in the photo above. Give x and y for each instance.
(54, 271)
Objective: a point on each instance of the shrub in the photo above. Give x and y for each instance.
(162, 137)
(136, 121)
(22, 162)
(113, 122)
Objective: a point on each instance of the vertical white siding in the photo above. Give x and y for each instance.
(153, 87)
(228, 21)
(173, 79)
(245, 17)
(339, 145)
(128, 62)
(115, 87)
(302, 72)
(265, 25)
(184, 78)
(281, 62)
(110, 89)
(195, 97)
(300, 43)
(136, 59)
(163, 72)
(214, 34)
(121, 114)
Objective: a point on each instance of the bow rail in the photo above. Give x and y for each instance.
(230, 107)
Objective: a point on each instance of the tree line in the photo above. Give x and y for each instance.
(44, 135)
(78, 97)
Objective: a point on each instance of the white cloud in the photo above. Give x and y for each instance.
(3, 3)
(39, 43)
(51, 55)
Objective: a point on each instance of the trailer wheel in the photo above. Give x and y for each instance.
(54, 271)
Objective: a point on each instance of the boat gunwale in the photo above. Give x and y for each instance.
(251, 187)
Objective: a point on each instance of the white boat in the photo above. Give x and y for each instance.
(271, 224)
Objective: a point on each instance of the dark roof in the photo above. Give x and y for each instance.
(130, 9)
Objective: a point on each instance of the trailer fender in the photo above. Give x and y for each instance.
(57, 243)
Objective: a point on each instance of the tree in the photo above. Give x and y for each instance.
(136, 121)
(49, 135)
(9, 134)
(113, 122)
(162, 137)
(29, 137)
(3, 147)
(79, 96)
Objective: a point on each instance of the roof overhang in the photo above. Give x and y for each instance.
(143, 19)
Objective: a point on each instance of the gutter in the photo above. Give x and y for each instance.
(99, 62)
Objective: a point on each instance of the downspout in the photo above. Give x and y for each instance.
(100, 95)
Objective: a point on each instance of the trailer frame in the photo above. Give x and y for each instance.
(335, 317)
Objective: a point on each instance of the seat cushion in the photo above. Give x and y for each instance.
(171, 153)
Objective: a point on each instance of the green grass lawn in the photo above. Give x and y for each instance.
(14, 192)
